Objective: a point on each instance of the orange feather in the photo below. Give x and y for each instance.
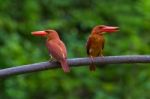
(55, 47)
(96, 41)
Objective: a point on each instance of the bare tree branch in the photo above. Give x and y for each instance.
(74, 62)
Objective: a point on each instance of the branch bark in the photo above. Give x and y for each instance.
(74, 62)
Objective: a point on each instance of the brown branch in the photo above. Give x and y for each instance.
(74, 62)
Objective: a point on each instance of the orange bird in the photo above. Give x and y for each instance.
(55, 47)
(95, 42)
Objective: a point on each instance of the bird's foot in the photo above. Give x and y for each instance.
(52, 59)
(102, 56)
(92, 65)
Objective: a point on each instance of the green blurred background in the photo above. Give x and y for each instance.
(74, 19)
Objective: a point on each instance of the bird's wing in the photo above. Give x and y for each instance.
(103, 43)
(62, 45)
(56, 50)
(88, 44)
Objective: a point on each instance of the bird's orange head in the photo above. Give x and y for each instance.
(50, 34)
(101, 29)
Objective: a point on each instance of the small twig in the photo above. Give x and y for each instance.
(74, 62)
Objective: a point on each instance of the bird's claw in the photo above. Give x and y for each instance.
(52, 59)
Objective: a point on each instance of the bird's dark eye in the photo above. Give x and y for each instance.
(47, 31)
(100, 27)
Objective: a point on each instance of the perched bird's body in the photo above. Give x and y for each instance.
(55, 47)
(95, 42)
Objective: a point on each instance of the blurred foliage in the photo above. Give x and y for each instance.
(74, 19)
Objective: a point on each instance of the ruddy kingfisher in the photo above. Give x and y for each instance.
(55, 47)
(96, 41)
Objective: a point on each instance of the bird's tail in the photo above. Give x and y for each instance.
(92, 66)
(65, 65)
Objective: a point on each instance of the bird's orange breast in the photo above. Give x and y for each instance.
(96, 45)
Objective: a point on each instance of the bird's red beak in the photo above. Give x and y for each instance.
(39, 33)
(110, 29)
